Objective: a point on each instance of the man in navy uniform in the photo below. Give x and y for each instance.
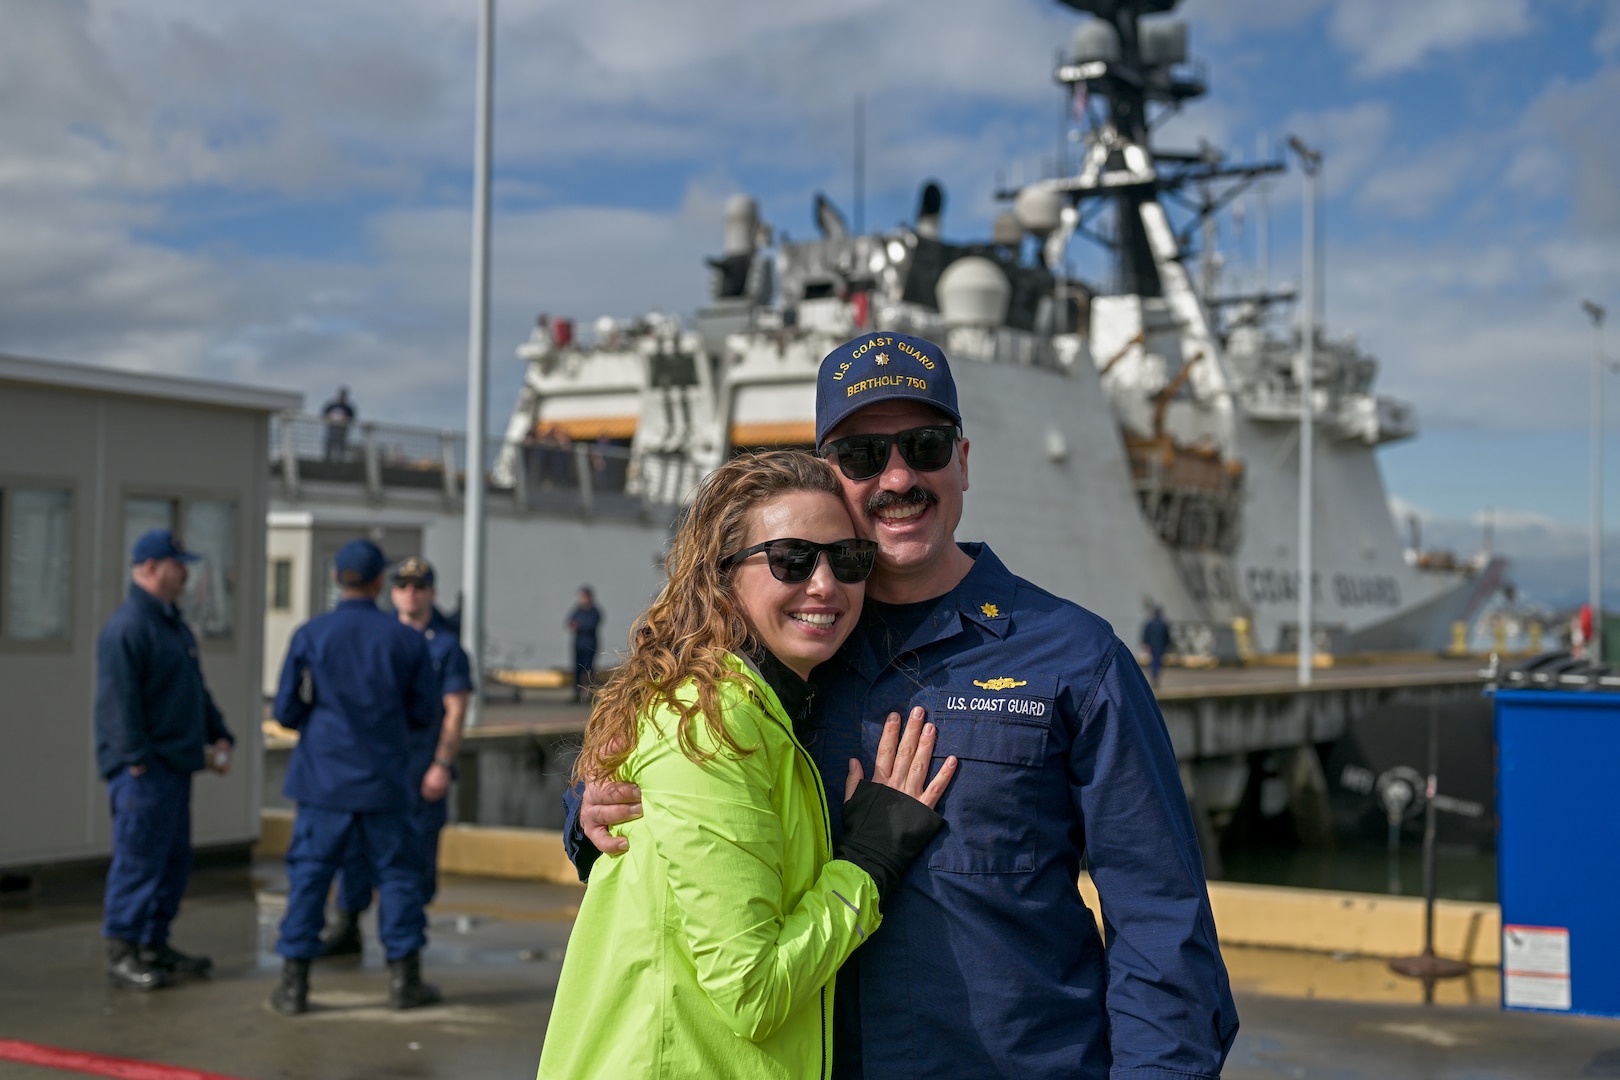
(1063, 753)
(338, 414)
(1156, 636)
(432, 756)
(155, 725)
(355, 683)
(582, 623)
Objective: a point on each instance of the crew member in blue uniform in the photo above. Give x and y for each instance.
(582, 623)
(1063, 754)
(432, 758)
(156, 724)
(1156, 636)
(354, 684)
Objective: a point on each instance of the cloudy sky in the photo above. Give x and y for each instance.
(280, 194)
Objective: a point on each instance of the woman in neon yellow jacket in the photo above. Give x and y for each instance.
(709, 949)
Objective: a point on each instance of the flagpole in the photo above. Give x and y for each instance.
(472, 576)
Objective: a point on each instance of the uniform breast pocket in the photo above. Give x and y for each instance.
(997, 728)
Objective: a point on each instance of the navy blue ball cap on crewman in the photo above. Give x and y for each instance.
(159, 544)
(416, 569)
(358, 562)
(882, 366)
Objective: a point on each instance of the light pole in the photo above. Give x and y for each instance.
(472, 537)
(1594, 583)
(1310, 162)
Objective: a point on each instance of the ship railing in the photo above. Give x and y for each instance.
(389, 461)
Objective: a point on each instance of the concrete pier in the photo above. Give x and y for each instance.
(496, 951)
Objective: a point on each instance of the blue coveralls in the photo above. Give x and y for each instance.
(1156, 636)
(454, 675)
(152, 709)
(355, 682)
(989, 962)
(585, 621)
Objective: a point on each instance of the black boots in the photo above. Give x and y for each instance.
(292, 996)
(171, 961)
(127, 970)
(406, 990)
(344, 938)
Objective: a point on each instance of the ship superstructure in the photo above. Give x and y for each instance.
(1133, 442)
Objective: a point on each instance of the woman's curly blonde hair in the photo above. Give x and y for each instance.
(695, 621)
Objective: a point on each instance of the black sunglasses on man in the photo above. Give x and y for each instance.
(925, 449)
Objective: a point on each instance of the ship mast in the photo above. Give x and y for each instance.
(1131, 66)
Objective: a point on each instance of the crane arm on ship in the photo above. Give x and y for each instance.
(1124, 350)
(1161, 401)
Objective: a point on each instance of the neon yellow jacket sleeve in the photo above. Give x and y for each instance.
(760, 951)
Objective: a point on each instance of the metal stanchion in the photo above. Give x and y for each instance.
(1428, 966)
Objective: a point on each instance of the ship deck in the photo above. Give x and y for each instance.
(497, 949)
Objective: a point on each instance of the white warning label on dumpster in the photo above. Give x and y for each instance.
(1535, 967)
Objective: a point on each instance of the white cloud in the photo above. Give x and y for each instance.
(1578, 120)
(115, 111)
(1412, 188)
(1538, 171)
(1353, 139)
(117, 115)
(1395, 35)
(1461, 332)
(1606, 43)
(1229, 16)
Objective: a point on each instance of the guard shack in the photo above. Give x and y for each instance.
(91, 458)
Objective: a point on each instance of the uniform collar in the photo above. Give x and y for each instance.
(359, 602)
(151, 604)
(983, 597)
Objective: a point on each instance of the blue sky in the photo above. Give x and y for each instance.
(280, 194)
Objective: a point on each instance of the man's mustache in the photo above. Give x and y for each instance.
(883, 500)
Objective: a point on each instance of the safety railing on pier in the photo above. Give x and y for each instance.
(585, 478)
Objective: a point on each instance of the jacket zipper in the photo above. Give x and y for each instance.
(825, 1075)
(826, 826)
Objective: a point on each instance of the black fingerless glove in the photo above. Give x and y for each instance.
(884, 830)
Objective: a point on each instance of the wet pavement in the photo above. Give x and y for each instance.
(496, 951)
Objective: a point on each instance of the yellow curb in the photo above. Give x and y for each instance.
(532, 678)
(1284, 973)
(473, 850)
(529, 854)
(1355, 924)
(1266, 916)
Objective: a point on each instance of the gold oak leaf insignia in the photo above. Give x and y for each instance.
(881, 359)
(990, 610)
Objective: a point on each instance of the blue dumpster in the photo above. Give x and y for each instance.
(1558, 849)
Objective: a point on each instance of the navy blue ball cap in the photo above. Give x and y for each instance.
(159, 544)
(882, 366)
(415, 569)
(358, 562)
